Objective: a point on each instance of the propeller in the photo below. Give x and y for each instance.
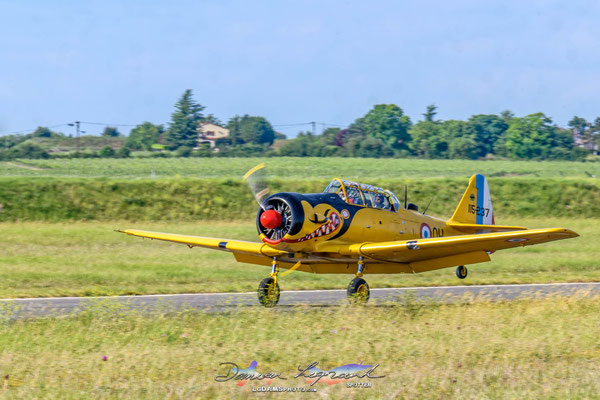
(256, 179)
(276, 216)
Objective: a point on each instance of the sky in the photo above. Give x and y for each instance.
(115, 62)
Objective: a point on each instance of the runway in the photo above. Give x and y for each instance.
(218, 302)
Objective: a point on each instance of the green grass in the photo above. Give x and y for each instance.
(89, 258)
(525, 349)
(187, 199)
(304, 168)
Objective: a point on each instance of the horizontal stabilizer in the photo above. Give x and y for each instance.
(476, 228)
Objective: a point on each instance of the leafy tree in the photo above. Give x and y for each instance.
(234, 126)
(250, 130)
(123, 152)
(183, 129)
(280, 136)
(579, 125)
(430, 113)
(507, 115)
(143, 136)
(111, 131)
(374, 147)
(25, 150)
(329, 136)
(426, 140)
(9, 141)
(585, 131)
(595, 128)
(488, 129)
(211, 119)
(184, 151)
(387, 123)
(461, 140)
(534, 137)
(42, 131)
(106, 152)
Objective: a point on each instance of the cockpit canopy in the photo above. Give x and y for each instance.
(364, 195)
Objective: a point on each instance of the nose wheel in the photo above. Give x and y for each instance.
(268, 292)
(268, 289)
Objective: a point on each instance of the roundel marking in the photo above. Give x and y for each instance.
(345, 214)
(517, 240)
(425, 231)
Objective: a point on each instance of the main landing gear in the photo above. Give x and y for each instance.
(461, 272)
(358, 289)
(268, 291)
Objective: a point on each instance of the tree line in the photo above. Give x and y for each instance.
(385, 131)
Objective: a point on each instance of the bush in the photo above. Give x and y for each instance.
(106, 151)
(184, 151)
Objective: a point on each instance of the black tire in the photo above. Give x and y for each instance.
(268, 292)
(358, 291)
(462, 272)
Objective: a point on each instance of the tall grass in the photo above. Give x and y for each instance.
(525, 349)
(185, 199)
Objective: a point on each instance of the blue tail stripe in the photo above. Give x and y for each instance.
(480, 184)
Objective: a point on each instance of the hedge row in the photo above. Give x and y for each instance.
(62, 199)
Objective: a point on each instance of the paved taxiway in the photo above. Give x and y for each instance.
(19, 308)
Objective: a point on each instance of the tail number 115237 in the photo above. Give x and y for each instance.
(483, 211)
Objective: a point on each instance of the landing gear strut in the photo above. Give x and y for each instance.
(461, 272)
(358, 289)
(268, 290)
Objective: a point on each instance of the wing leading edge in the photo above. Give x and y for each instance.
(235, 246)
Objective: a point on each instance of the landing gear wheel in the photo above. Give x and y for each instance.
(358, 291)
(268, 292)
(461, 272)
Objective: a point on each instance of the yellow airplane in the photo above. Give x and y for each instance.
(358, 229)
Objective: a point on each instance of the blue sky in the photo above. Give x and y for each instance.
(294, 61)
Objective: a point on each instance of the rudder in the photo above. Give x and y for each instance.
(475, 207)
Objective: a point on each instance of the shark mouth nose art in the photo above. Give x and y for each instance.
(326, 229)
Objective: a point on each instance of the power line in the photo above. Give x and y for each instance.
(33, 129)
(65, 124)
(307, 123)
(106, 124)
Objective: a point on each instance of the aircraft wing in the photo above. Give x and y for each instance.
(234, 246)
(425, 254)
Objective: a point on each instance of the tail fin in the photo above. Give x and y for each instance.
(475, 207)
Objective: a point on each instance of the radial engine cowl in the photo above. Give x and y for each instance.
(282, 214)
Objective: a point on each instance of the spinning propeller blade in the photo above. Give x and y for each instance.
(256, 179)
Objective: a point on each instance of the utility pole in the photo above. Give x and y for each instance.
(76, 124)
(314, 128)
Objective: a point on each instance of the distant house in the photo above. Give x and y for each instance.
(587, 143)
(209, 133)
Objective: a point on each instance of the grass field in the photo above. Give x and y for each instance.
(296, 168)
(525, 349)
(89, 258)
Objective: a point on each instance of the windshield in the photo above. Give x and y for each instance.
(363, 195)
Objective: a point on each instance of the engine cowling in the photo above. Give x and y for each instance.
(281, 214)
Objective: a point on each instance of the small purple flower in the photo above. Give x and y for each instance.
(6, 376)
(104, 358)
